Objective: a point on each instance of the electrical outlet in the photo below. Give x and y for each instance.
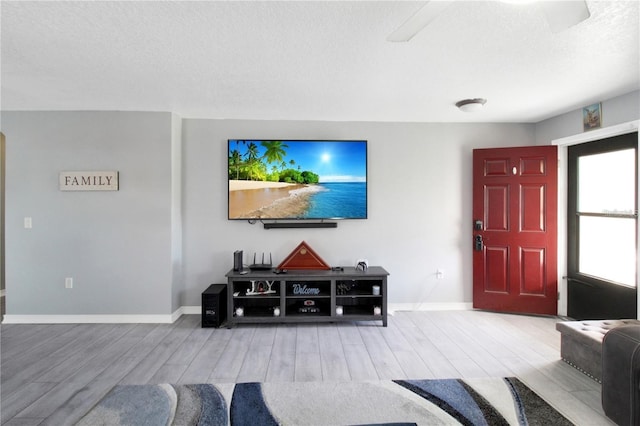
(68, 282)
(28, 223)
(439, 274)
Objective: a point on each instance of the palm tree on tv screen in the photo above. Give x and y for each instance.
(252, 153)
(274, 151)
(235, 161)
(253, 160)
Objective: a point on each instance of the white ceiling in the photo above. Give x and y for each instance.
(325, 60)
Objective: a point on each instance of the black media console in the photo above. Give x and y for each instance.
(307, 296)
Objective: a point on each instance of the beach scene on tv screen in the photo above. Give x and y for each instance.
(286, 179)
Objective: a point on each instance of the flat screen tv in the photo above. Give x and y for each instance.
(297, 179)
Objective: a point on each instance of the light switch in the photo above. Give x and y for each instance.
(28, 223)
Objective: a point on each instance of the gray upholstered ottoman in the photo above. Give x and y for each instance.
(621, 375)
(581, 343)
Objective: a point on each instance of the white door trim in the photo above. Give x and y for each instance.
(563, 144)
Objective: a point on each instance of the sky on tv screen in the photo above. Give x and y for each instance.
(333, 161)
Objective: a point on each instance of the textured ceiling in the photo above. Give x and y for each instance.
(313, 60)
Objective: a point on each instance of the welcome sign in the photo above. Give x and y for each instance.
(302, 289)
(89, 181)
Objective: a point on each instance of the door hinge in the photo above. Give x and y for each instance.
(558, 295)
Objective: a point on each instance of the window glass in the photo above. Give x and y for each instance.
(606, 182)
(607, 248)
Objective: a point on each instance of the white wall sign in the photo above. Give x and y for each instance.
(88, 181)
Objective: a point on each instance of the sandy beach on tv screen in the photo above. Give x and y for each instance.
(239, 185)
(268, 200)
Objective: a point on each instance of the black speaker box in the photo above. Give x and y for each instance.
(214, 305)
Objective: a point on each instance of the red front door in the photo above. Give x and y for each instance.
(515, 229)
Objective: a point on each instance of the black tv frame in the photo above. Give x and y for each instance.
(301, 223)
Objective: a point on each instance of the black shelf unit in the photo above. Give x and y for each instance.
(307, 296)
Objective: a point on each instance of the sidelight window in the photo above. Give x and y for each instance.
(603, 212)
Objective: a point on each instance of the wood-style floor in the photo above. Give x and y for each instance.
(52, 374)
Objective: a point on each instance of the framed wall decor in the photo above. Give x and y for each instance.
(89, 181)
(592, 117)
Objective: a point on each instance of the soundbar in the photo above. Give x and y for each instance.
(282, 225)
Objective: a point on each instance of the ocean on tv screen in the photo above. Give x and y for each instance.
(340, 200)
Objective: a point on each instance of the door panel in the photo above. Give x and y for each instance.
(596, 301)
(496, 167)
(533, 264)
(497, 270)
(535, 166)
(497, 218)
(532, 217)
(515, 197)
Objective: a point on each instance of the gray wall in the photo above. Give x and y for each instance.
(115, 245)
(419, 204)
(157, 243)
(2, 192)
(177, 282)
(614, 111)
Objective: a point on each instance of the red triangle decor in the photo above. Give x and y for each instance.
(303, 257)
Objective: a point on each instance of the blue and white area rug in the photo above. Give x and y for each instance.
(488, 401)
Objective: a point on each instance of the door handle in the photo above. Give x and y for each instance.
(477, 243)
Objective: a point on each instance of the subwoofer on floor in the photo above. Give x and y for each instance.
(214, 305)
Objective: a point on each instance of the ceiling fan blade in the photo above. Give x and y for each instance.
(564, 14)
(419, 20)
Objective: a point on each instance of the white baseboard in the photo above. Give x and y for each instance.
(186, 310)
(101, 319)
(86, 319)
(192, 310)
(396, 307)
